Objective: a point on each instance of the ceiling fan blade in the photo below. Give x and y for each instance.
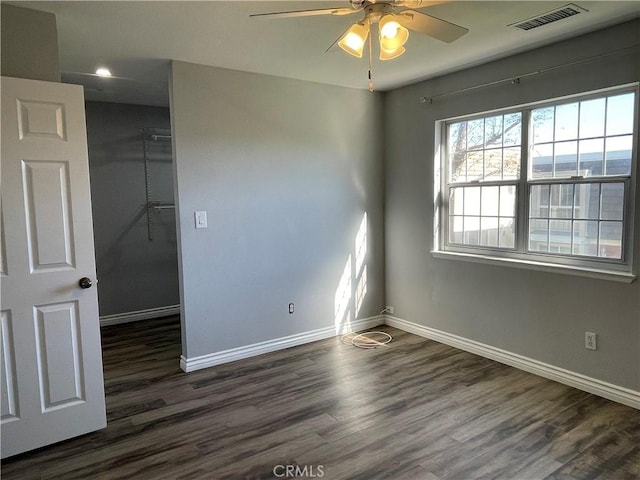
(417, 3)
(334, 46)
(307, 13)
(432, 26)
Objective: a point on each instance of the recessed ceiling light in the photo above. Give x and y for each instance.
(103, 72)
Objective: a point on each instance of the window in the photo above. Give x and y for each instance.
(549, 183)
(484, 168)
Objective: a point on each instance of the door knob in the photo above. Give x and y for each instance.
(85, 282)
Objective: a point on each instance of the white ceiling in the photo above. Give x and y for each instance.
(136, 40)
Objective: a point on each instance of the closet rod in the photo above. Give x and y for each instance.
(156, 137)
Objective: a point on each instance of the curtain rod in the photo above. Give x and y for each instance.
(516, 79)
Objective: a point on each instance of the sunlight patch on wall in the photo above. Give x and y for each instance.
(342, 300)
(361, 267)
(352, 287)
(361, 290)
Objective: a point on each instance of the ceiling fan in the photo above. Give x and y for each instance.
(393, 25)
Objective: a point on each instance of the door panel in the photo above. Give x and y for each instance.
(59, 367)
(3, 250)
(52, 360)
(41, 119)
(9, 398)
(47, 200)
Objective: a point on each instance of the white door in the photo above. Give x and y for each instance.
(52, 384)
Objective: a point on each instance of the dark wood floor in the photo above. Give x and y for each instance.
(415, 409)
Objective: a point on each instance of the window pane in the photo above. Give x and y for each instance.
(490, 201)
(475, 149)
(561, 201)
(474, 165)
(456, 201)
(457, 151)
(566, 159)
(475, 135)
(566, 124)
(587, 201)
(611, 239)
(512, 129)
(612, 203)
(474, 216)
(560, 236)
(489, 233)
(541, 161)
(618, 155)
(507, 232)
(605, 126)
(592, 118)
(493, 164)
(458, 136)
(542, 119)
(507, 201)
(472, 201)
(591, 157)
(584, 219)
(585, 238)
(493, 132)
(458, 170)
(456, 229)
(511, 163)
(538, 235)
(620, 114)
(472, 230)
(539, 201)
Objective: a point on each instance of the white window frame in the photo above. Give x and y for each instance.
(595, 267)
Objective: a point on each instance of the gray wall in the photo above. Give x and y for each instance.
(134, 273)
(286, 169)
(29, 44)
(535, 314)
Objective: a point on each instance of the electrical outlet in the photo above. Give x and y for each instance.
(389, 309)
(292, 308)
(590, 341)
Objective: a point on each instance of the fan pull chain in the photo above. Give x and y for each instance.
(370, 62)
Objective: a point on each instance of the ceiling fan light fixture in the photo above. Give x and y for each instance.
(388, 26)
(391, 54)
(392, 36)
(354, 39)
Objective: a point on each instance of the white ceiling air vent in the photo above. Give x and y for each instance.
(549, 17)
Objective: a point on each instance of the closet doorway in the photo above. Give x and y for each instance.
(131, 169)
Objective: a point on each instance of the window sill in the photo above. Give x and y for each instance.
(612, 275)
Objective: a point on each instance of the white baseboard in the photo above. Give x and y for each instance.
(231, 355)
(616, 393)
(139, 315)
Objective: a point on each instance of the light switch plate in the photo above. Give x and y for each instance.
(201, 219)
